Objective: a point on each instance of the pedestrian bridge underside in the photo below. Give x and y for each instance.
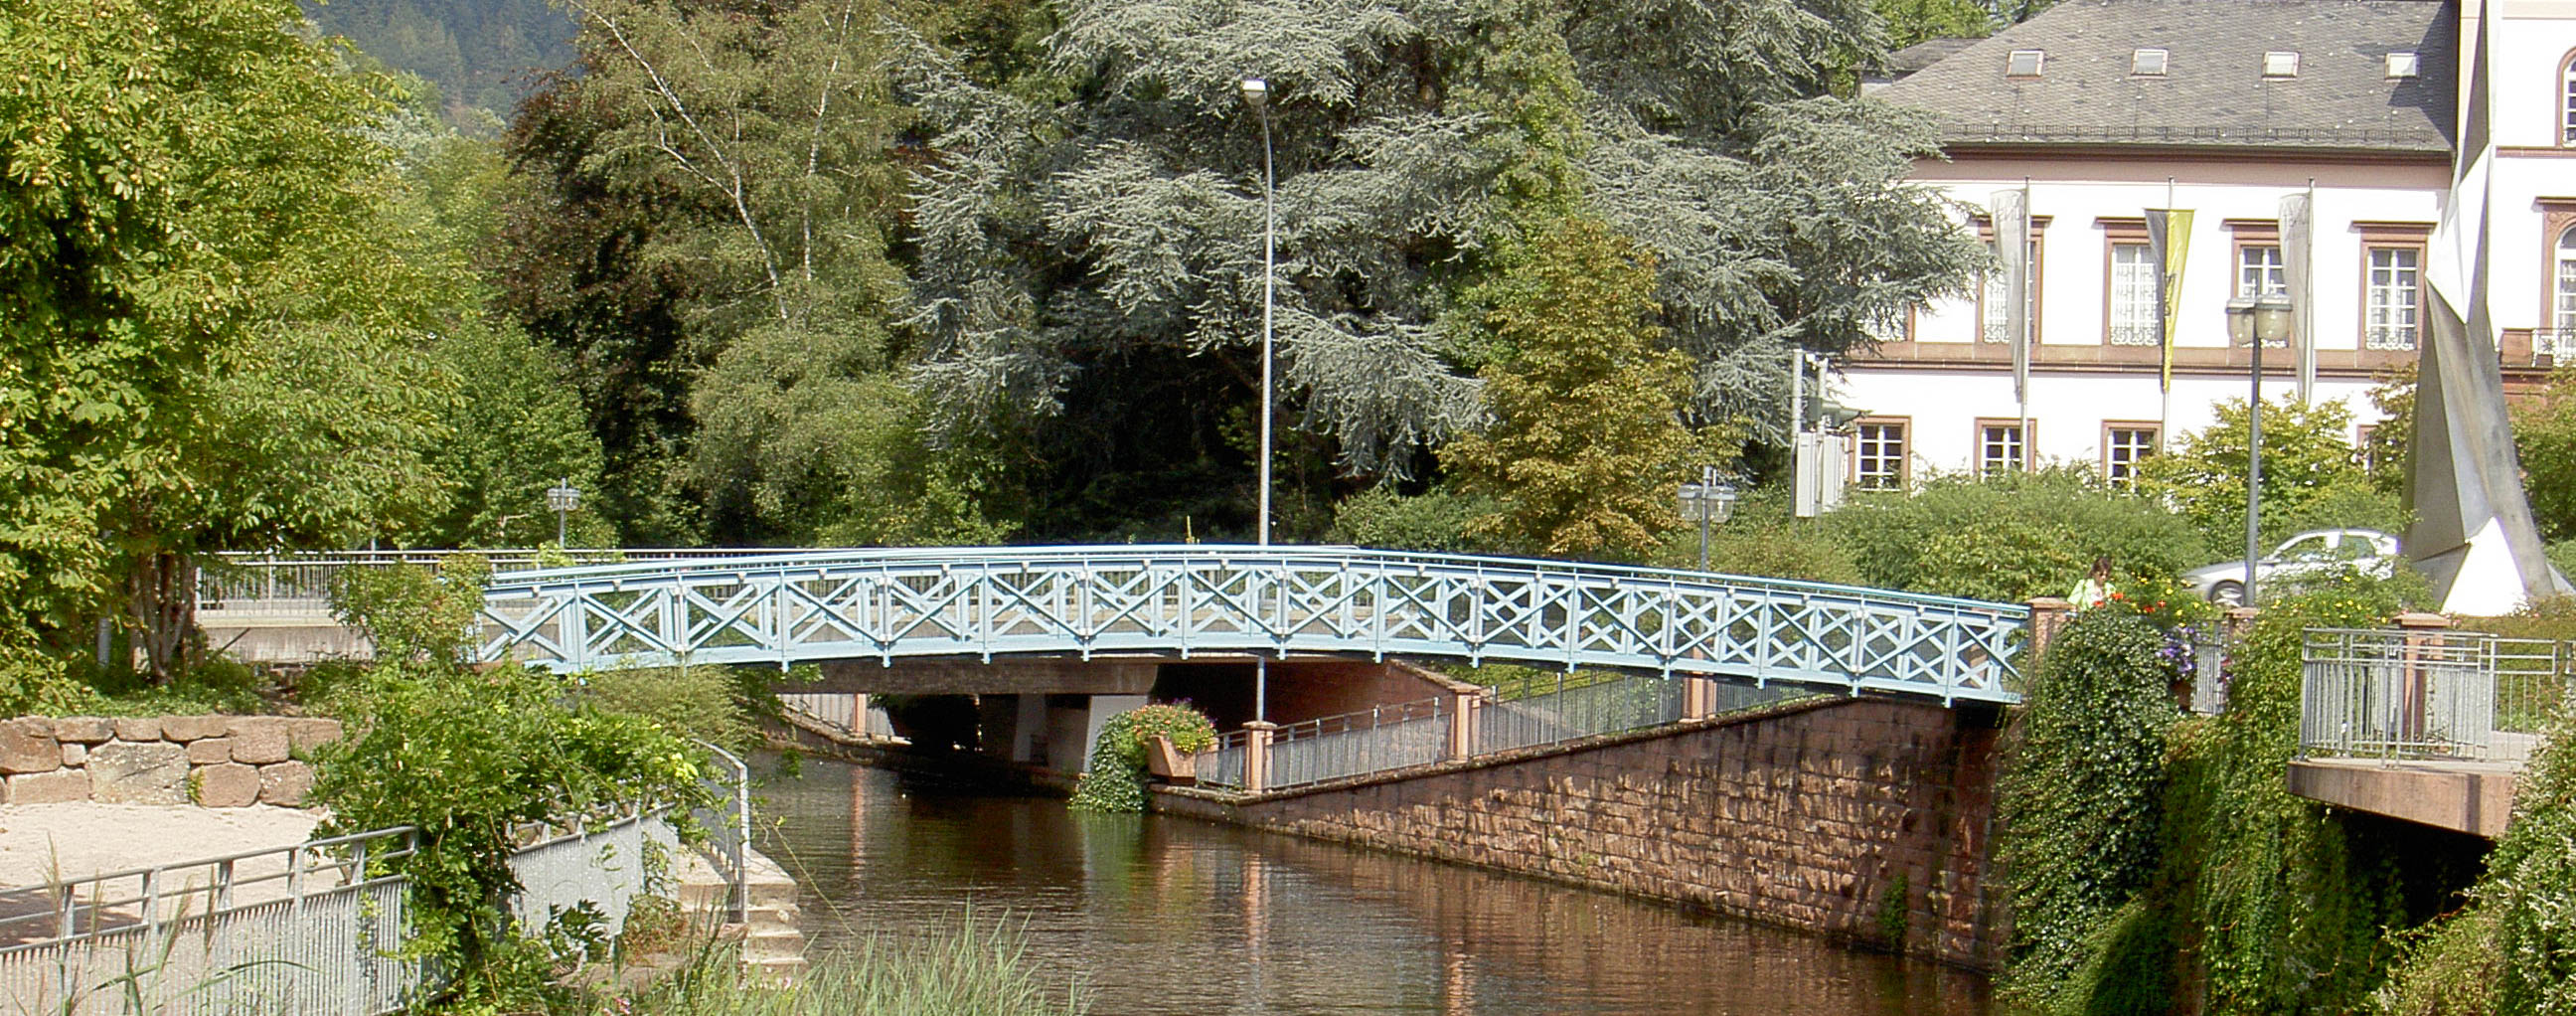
(791, 607)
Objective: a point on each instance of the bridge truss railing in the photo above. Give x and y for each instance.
(2428, 693)
(300, 582)
(786, 608)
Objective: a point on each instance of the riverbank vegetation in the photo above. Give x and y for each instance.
(954, 970)
(2158, 863)
(1115, 782)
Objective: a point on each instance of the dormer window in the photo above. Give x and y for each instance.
(2147, 63)
(2281, 63)
(2024, 63)
(2402, 65)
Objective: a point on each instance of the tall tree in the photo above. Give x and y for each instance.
(205, 338)
(1587, 439)
(741, 152)
(1067, 247)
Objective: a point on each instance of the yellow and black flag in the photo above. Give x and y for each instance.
(2168, 244)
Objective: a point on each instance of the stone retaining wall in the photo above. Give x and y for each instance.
(213, 761)
(1864, 819)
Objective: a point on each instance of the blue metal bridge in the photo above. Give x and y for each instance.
(790, 607)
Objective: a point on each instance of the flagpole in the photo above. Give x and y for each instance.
(2028, 350)
(2164, 342)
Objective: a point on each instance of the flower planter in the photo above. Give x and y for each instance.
(1168, 762)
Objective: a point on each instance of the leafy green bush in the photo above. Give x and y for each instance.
(706, 703)
(1116, 780)
(2010, 537)
(466, 757)
(2282, 907)
(2530, 883)
(1434, 520)
(2309, 466)
(2081, 795)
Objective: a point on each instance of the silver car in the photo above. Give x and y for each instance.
(2308, 553)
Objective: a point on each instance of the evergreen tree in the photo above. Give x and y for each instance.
(1587, 439)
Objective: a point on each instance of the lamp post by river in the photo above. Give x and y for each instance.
(563, 498)
(2256, 321)
(1709, 500)
(1256, 93)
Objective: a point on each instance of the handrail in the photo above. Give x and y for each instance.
(737, 844)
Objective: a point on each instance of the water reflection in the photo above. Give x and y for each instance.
(1164, 915)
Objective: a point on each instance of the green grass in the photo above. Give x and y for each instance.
(967, 969)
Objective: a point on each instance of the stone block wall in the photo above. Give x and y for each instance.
(1863, 819)
(213, 761)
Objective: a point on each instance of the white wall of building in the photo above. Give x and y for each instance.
(2527, 96)
(2068, 403)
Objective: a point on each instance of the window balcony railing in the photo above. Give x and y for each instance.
(2389, 337)
(1998, 332)
(2135, 335)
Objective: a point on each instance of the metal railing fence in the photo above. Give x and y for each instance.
(300, 582)
(1385, 737)
(1223, 767)
(729, 830)
(2428, 694)
(311, 929)
(1522, 713)
(1543, 715)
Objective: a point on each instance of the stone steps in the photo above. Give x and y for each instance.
(771, 938)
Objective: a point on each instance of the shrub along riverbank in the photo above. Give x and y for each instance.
(2158, 862)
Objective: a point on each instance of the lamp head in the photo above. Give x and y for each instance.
(1256, 92)
(2240, 320)
(2272, 317)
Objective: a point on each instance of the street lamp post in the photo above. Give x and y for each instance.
(563, 498)
(2256, 322)
(1256, 93)
(1711, 499)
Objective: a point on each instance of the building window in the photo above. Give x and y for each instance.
(2001, 446)
(2133, 296)
(1878, 453)
(2124, 445)
(2394, 297)
(1993, 304)
(2563, 321)
(2259, 270)
(2567, 101)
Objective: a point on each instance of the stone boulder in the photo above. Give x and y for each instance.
(138, 728)
(206, 751)
(155, 773)
(27, 745)
(306, 733)
(258, 740)
(84, 729)
(194, 728)
(285, 784)
(60, 787)
(230, 785)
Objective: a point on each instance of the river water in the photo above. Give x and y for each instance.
(1165, 915)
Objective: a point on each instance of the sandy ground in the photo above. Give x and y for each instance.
(42, 842)
(37, 841)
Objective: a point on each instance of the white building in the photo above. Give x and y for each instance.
(2104, 109)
